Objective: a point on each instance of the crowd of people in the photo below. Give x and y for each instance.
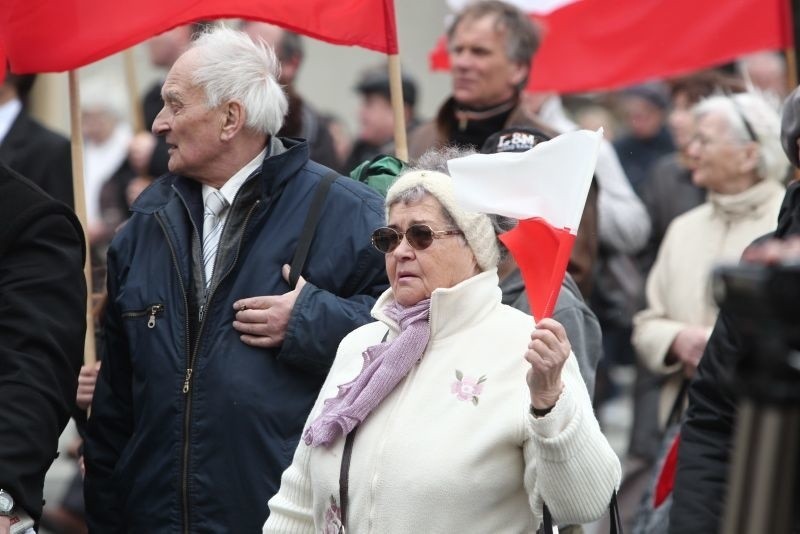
(286, 348)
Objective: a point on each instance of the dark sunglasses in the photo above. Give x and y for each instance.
(419, 236)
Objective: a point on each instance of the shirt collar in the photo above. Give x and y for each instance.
(8, 113)
(232, 186)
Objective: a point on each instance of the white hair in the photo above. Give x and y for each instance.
(234, 67)
(763, 119)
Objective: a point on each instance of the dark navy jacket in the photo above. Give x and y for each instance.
(173, 450)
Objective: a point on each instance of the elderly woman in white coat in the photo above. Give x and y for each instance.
(426, 422)
(736, 155)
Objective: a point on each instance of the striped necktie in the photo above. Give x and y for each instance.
(216, 204)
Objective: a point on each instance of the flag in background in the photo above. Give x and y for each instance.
(545, 188)
(599, 44)
(47, 36)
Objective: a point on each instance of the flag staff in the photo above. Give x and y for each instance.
(79, 196)
(398, 107)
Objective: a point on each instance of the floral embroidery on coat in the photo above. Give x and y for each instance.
(333, 519)
(467, 388)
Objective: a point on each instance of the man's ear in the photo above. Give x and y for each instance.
(519, 73)
(233, 120)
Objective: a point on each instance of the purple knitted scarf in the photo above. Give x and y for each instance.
(385, 365)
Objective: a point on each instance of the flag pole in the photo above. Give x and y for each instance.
(791, 50)
(89, 354)
(398, 107)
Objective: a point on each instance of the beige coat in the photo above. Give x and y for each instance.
(678, 287)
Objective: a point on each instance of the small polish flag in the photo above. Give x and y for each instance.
(545, 188)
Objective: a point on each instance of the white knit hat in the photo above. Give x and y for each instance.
(477, 227)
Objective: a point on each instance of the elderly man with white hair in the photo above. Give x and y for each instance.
(737, 157)
(212, 358)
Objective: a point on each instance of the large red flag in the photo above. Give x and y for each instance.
(602, 44)
(48, 36)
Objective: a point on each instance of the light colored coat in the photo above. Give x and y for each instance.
(453, 448)
(679, 285)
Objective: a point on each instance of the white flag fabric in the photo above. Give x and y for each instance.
(551, 180)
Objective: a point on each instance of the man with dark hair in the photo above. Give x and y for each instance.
(376, 115)
(302, 120)
(36, 152)
(42, 328)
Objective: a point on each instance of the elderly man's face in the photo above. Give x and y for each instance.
(191, 129)
(716, 157)
(414, 274)
(483, 74)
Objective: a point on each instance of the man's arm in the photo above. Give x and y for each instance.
(111, 424)
(42, 328)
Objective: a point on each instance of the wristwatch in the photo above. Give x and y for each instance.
(6, 503)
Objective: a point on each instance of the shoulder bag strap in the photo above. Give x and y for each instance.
(344, 471)
(310, 226)
(615, 523)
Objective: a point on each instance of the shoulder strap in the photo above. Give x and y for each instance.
(614, 520)
(310, 226)
(344, 471)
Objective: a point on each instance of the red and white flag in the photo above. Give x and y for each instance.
(545, 188)
(603, 44)
(48, 36)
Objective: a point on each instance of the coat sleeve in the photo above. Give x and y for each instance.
(42, 328)
(653, 328)
(707, 436)
(111, 424)
(584, 334)
(355, 276)
(569, 464)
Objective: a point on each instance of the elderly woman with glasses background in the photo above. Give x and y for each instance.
(426, 422)
(736, 156)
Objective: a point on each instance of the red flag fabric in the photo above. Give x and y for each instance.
(597, 44)
(46, 36)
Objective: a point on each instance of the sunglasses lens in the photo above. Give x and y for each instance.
(385, 239)
(419, 236)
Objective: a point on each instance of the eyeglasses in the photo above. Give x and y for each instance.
(419, 236)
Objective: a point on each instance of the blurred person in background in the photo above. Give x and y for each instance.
(302, 120)
(703, 475)
(38, 153)
(376, 115)
(595, 116)
(644, 110)
(736, 156)
(767, 72)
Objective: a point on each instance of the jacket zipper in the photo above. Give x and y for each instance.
(191, 356)
(187, 402)
(152, 311)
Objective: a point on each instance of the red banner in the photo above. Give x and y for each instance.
(47, 36)
(600, 44)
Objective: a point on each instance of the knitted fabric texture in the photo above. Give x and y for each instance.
(385, 365)
(477, 227)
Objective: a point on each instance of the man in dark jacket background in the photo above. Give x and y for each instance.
(211, 360)
(42, 328)
(705, 452)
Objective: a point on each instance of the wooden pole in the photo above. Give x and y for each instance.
(791, 50)
(137, 115)
(89, 353)
(398, 106)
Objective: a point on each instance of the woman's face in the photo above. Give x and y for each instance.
(716, 157)
(414, 274)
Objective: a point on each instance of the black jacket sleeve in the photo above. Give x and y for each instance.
(42, 328)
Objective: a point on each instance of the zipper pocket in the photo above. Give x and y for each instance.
(151, 311)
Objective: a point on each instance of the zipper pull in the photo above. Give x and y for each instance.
(186, 381)
(151, 323)
(200, 313)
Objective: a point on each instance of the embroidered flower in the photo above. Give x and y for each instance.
(333, 519)
(467, 388)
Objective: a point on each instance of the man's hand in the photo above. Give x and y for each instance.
(86, 382)
(5, 525)
(547, 353)
(688, 347)
(262, 321)
(774, 251)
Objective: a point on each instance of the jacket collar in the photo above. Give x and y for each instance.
(453, 309)
(285, 157)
